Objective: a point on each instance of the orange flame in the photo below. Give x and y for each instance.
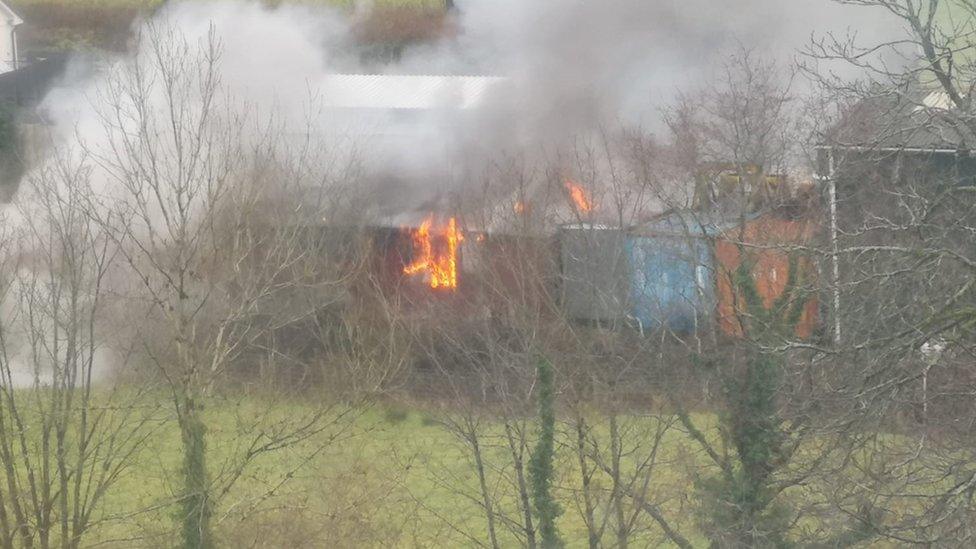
(435, 257)
(579, 196)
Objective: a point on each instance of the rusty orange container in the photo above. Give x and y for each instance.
(766, 243)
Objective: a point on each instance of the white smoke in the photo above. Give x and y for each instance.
(574, 65)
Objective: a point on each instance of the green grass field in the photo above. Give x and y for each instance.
(393, 477)
(389, 475)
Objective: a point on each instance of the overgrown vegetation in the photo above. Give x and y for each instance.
(742, 509)
(384, 486)
(11, 154)
(540, 462)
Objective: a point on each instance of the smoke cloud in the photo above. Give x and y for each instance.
(572, 66)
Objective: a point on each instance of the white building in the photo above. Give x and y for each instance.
(9, 21)
(406, 92)
(405, 127)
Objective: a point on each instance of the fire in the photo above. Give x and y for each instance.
(435, 255)
(579, 196)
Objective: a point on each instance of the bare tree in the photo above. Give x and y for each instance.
(203, 196)
(67, 431)
(896, 161)
(740, 138)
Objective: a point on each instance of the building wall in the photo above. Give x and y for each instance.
(764, 242)
(898, 201)
(513, 272)
(671, 281)
(594, 273)
(6, 46)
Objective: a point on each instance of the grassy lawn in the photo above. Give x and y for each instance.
(383, 476)
(391, 476)
(60, 25)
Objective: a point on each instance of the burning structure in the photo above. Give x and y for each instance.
(435, 254)
(580, 199)
(409, 117)
(415, 231)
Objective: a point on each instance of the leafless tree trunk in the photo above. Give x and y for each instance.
(895, 152)
(203, 198)
(67, 432)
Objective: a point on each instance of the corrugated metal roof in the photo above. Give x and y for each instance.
(401, 91)
(588, 227)
(686, 223)
(12, 16)
(936, 100)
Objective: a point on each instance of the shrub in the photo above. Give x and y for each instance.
(395, 414)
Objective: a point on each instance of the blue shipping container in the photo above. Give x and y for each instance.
(672, 275)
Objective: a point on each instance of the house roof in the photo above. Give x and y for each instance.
(687, 223)
(588, 227)
(10, 15)
(400, 91)
(914, 118)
